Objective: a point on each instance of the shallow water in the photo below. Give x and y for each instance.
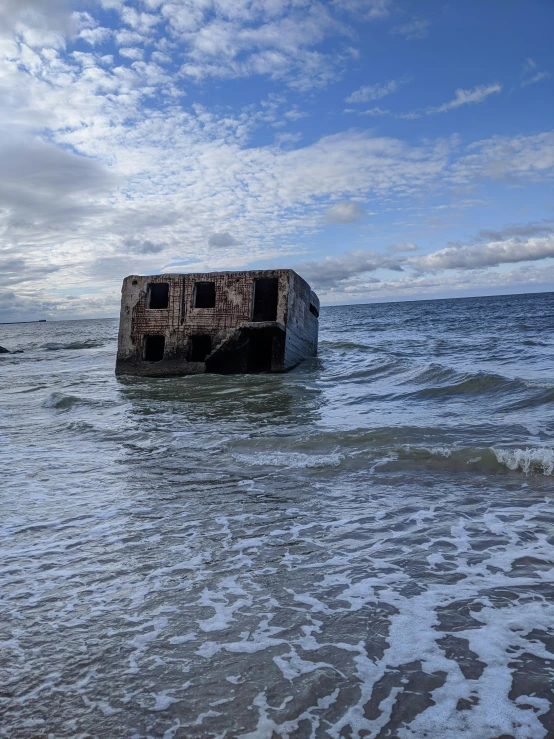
(363, 547)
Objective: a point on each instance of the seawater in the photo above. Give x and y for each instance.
(363, 547)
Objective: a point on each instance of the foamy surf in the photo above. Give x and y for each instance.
(538, 460)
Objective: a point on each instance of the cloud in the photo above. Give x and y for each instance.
(222, 240)
(508, 159)
(346, 211)
(402, 247)
(523, 230)
(355, 267)
(415, 29)
(538, 77)
(366, 9)
(331, 271)
(372, 111)
(485, 255)
(466, 97)
(114, 171)
(132, 53)
(463, 283)
(45, 190)
(529, 64)
(14, 10)
(373, 92)
(136, 245)
(280, 40)
(15, 271)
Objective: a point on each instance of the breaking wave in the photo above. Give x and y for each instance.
(538, 460)
(72, 345)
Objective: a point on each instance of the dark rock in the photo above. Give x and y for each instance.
(4, 351)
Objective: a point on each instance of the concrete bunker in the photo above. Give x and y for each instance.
(220, 322)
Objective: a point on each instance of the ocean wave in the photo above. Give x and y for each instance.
(485, 460)
(290, 459)
(432, 373)
(531, 460)
(534, 342)
(60, 401)
(350, 345)
(73, 345)
(482, 382)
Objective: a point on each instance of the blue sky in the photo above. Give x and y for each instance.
(386, 149)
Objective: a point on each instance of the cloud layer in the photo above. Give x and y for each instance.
(123, 149)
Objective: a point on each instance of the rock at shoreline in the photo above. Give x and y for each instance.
(4, 351)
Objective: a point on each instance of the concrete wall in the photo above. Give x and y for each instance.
(180, 320)
(302, 324)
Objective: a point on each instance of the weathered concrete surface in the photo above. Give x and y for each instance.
(255, 321)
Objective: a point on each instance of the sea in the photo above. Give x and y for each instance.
(362, 547)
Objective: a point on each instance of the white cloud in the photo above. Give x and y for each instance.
(347, 211)
(485, 255)
(373, 92)
(372, 111)
(95, 36)
(368, 9)
(467, 97)
(132, 53)
(484, 282)
(538, 77)
(510, 159)
(415, 29)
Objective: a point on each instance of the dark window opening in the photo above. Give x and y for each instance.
(159, 295)
(200, 347)
(314, 310)
(266, 293)
(154, 347)
(204, 295)
(260, 349)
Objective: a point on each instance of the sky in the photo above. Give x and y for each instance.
(384, 149)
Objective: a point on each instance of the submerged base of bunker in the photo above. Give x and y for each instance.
(221, 322)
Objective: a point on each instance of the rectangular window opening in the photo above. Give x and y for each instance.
(159, 295)
(200, 347)
(266, 293)
(204, 295)
(154, 347)
(314, 310)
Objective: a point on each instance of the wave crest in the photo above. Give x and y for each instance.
(537, 460)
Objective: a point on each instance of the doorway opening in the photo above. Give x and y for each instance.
(200, 347)
(260, 350)
(154, 347)
(266, 293)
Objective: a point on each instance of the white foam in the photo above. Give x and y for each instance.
(529, 460)
(290, 459)
(292, 665)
